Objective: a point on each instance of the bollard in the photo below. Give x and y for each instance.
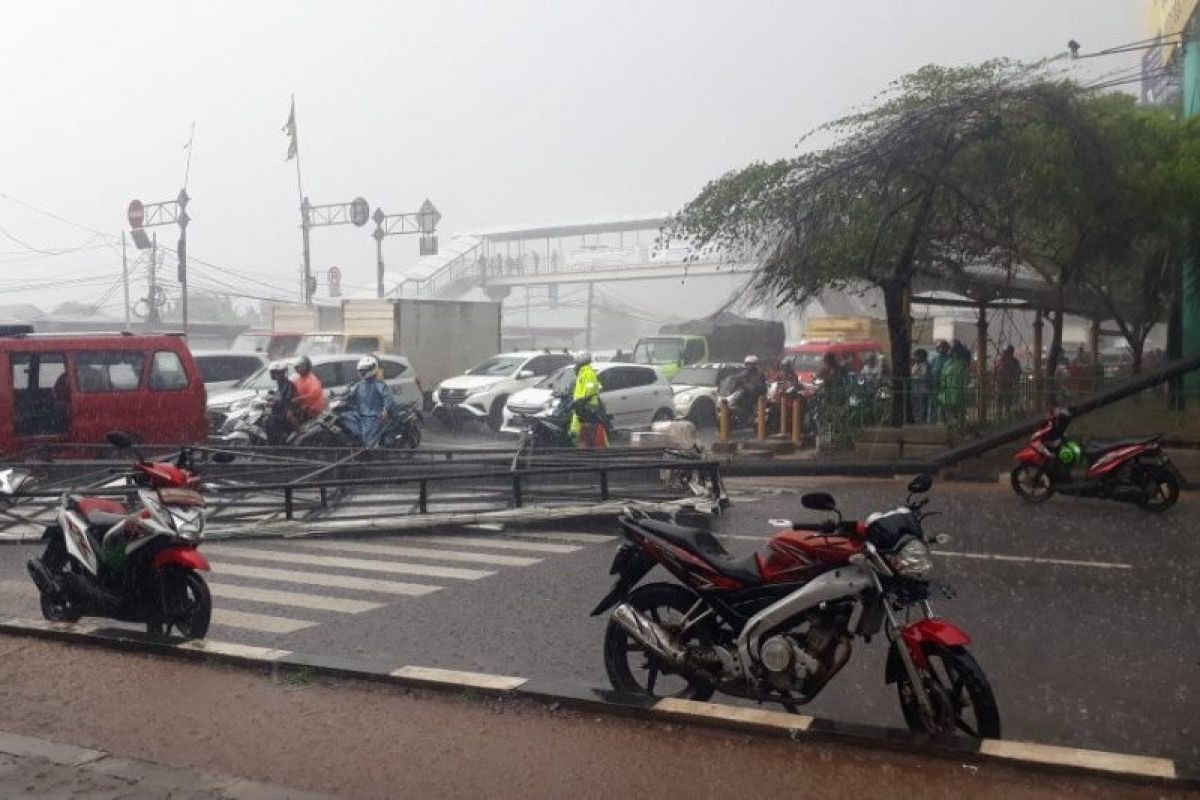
(797, 421)
(762, 418)
(783, 416)
(723, 421)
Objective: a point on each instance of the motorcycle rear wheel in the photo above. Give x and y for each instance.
(1162, 488)
(1031, 483)
(956, 684)
(188, 605)
(633, 670)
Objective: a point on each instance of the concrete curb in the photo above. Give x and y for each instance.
(1096, 763)
(157, 779)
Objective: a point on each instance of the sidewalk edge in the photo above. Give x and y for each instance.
(1049, 758)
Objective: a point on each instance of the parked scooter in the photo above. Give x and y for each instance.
(136, 563)
(329, 429)
(1128, 470)
(778, 625)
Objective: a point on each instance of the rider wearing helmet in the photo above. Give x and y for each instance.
(748, 385)
(282, 420)
(371, 403)
(587, 428)
(310, 394)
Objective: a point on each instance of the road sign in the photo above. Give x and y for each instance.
(360, 212)
(137, 213)
(428, 218)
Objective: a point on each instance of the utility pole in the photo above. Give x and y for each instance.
(423, 221)
(305, 224)
(125, 278)
(587, 339)
(152, 301)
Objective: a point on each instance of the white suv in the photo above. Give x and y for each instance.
(634, 395)
(481, 393)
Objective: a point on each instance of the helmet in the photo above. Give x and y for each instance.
(304, 362)
(583, 358)
(277, 367)
(367, 365)
(750, 359)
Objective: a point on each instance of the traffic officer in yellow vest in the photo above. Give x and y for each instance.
(586, 427)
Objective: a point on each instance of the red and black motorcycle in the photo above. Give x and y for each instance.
(778, 625)
(1129, 470)
(134, 563)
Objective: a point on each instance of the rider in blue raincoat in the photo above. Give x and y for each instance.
(371, 404)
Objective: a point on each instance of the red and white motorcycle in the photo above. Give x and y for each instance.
(138, 564)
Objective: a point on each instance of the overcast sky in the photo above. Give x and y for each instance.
(501, 112)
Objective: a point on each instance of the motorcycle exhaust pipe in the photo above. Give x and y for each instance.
(649, 634)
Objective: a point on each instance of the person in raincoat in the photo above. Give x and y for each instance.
(952, 385)
(371, 404)
(587, 426)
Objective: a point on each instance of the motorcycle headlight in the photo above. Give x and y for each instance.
(189, 522)
(912, 560)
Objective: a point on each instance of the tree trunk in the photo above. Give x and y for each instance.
(1175, 401)
(900, 333)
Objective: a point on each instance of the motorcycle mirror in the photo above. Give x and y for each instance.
(920, 484)
(819, 501)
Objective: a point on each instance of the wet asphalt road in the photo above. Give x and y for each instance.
(1084, 613)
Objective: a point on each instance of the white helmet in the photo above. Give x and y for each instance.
(367, 365)
(750, 359)
(277, 366)
(583, 358)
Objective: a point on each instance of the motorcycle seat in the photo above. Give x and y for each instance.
(1094, 448)
(98, 510)
(705, 545)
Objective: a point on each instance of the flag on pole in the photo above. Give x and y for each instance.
(290, 129)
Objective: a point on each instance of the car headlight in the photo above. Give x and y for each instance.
(913, 560)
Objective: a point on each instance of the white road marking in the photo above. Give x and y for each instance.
(424, 552)
(568, 536)
(258, 622)
(368, 565)
(479, 680)
(320, 602)
(1066, 562)
(499, 543)
(325, 579)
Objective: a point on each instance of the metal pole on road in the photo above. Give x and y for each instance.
(587, 339)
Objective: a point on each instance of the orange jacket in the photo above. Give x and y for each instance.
(310, 395)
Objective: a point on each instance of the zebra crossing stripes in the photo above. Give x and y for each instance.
(339, 562)
(263, 623)
(319, 602)
(497, 543)
(324, 579)
(420, 552)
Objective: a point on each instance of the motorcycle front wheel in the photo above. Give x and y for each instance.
(1161, 485)
(959, 692)
(187, 605)
(1031, 483)
(632, 669)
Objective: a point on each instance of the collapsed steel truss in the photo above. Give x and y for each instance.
(293, 489)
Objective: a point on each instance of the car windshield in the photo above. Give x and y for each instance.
(658, 351)
(320, 344)
(498, 366)
(561, 381)
(696, 376)
(807, 361)
(261, 380)
(252, 342)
